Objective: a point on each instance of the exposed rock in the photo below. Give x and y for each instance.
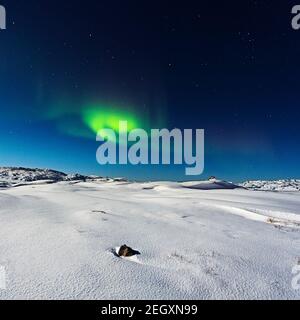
(120, 179)
(75, 177)
(126, 251)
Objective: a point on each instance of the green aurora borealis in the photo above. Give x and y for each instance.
(85, 120)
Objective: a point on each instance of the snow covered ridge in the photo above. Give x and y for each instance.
(10, 176)
(290, 185)
(15, 176)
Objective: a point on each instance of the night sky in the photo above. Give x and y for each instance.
(229, 67)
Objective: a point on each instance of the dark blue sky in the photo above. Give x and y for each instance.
(230, 67)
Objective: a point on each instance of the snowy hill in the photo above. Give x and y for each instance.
(210, 184)
(290, 185)
(14, 176)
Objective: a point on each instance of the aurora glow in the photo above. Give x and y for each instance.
(102, 118)
(84, 120)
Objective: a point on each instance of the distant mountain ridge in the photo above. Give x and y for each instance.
(22, 175)
(287, 185)
(14, 176)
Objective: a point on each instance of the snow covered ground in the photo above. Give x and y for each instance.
(195, 242)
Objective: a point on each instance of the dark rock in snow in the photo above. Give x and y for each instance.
(126, 251)
(75, 177)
